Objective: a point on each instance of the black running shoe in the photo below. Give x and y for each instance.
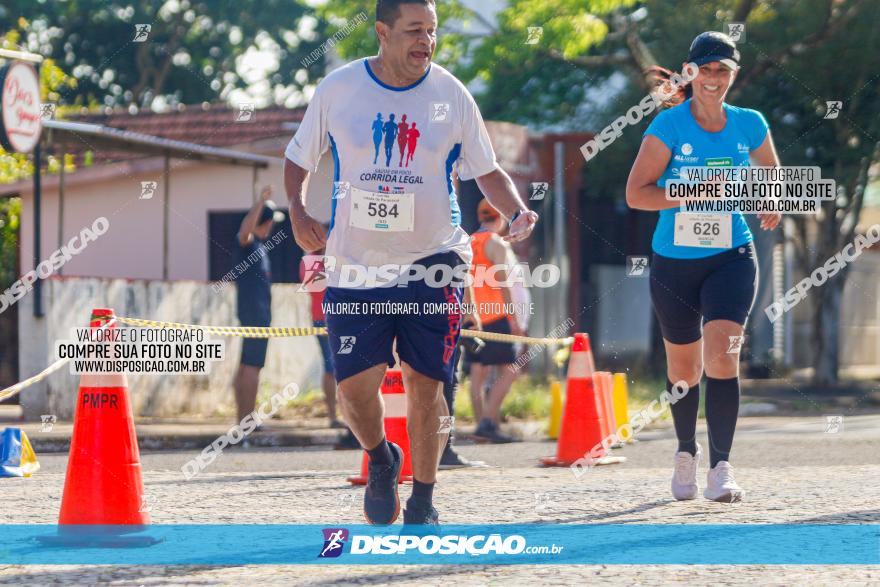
(381, 502)
(452, 460)
(487, 431)
(417, 515)
(347, 442)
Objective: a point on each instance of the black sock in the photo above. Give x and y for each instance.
(381, 454)
(684, 416)
(722, 409)
(422, 493)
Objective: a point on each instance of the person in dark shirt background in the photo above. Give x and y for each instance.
(254, 300)
(314, 281)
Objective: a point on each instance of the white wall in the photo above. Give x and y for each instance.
(69, 301)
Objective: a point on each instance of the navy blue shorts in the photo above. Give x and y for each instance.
(324, 343)
(253, 350)
(687, 293)
(365, 336)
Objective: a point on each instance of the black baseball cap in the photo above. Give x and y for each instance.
(714, 46)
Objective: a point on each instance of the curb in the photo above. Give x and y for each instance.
(49, 443)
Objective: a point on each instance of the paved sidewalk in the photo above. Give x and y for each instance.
(188, 434)
(793, 471)
(193, 433)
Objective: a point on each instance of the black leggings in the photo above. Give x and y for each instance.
(687, 293)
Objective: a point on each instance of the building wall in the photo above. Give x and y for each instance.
(69, 302)
(132, 247)
(859, 321)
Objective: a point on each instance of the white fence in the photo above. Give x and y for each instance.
(68, 303)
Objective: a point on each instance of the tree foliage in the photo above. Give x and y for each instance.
(53, 80)
(10, 217)
(453, 43)
(194, 52)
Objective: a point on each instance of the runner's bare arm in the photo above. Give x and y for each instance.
(501, 193)
(765, 156)
(249, 223)
(642, 192)
(310, 234)
(470, 319)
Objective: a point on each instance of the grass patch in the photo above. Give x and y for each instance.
(529, 399)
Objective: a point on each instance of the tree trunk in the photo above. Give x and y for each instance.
(826, 332)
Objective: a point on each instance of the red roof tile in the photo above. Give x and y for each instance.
(214, 125)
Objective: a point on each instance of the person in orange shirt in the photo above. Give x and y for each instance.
(490, 299)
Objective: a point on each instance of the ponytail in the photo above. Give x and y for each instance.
(660, 80)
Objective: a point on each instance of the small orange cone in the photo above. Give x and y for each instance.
(395, 425)
(599, 386)
(582, 420)
(103, 486)
(603, 382)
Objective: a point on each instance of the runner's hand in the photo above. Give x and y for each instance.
(522, 227)
(515, 328)
(265, 193)
(310, 234)
(471, 321)
(770, 221)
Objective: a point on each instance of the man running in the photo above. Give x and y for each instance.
(415, 224)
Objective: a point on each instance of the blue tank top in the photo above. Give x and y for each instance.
(692, 146)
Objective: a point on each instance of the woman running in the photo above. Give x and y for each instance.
(702, 285)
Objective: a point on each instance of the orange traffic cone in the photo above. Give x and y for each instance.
(582, 419)
(395, 426)
(103, 486)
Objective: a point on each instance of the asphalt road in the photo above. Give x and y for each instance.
(793, 470)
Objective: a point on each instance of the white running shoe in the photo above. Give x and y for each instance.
(684, 476)
(721, 486)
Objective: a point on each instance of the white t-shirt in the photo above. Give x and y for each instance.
(394, 150)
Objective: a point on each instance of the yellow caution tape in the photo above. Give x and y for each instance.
(285, 332)
(269, 332)
(240, 331)
(13, 389)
